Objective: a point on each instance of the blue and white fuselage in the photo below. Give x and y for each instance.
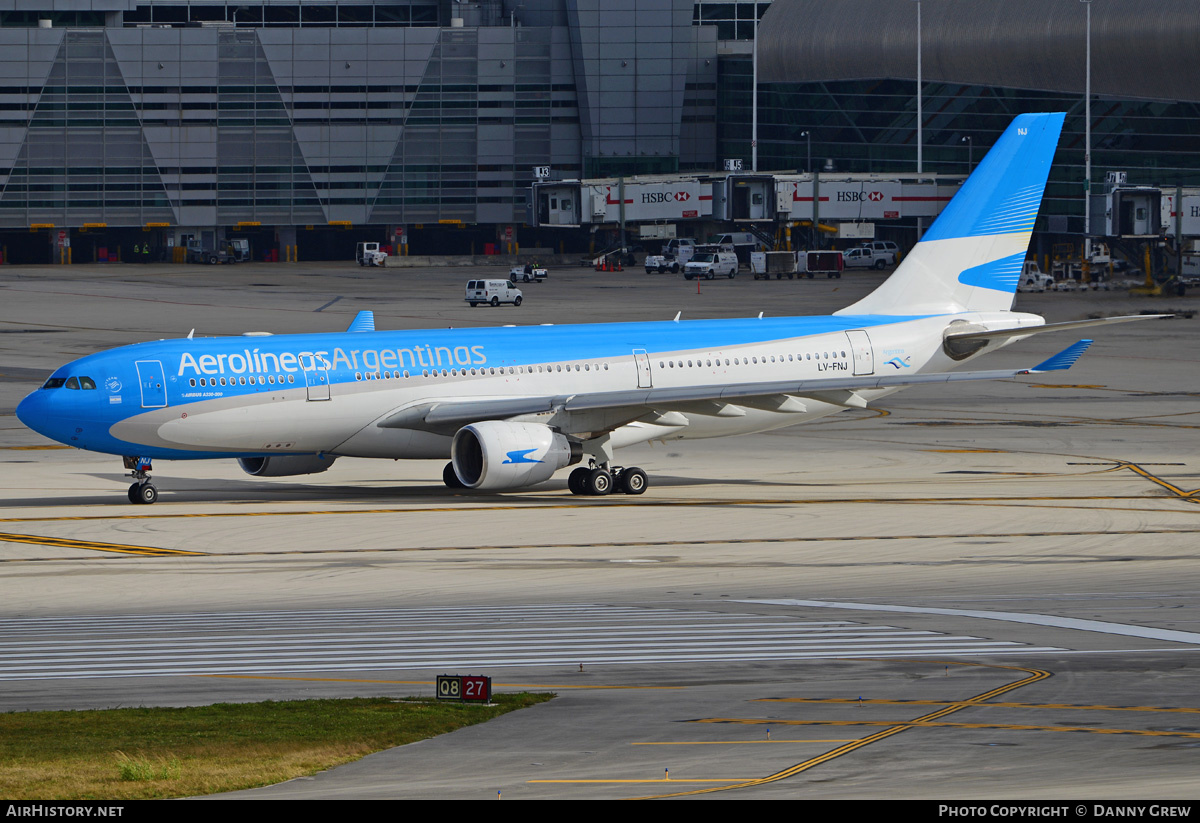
(257, 396)
(509, 406)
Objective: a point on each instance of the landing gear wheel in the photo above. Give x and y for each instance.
(633, 481)
(598, 482)
(143, 493)
(450, 478)
(577, 480)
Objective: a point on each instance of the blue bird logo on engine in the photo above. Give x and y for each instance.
(520, 456)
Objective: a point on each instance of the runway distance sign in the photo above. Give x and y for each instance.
(470, 688)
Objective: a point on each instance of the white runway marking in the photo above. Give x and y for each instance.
(383, 640)
(1101, 626)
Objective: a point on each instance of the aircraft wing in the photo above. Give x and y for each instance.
(720, 399)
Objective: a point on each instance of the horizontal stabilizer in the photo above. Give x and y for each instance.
(1065, 359)
(363, 321)
(1026, 331)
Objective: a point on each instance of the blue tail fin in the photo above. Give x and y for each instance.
(971, 257)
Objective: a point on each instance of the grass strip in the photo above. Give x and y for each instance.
(129, 754)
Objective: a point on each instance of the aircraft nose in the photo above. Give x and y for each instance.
(35, 412)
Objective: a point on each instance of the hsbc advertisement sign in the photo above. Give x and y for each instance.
(1190, 213)
(862, 199)
(682, 200)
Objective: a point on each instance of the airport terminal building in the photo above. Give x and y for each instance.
(313, 125)
(132, 127)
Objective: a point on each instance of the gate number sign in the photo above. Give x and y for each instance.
(473, 688)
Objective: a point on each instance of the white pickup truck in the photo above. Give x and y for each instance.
(866, 257)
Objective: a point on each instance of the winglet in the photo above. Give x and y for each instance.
(1065, 359)
(363, 321)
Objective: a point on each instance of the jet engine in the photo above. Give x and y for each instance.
(495, 454)
(285, 465)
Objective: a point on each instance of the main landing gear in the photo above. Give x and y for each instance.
(142, 490)
(598, 481)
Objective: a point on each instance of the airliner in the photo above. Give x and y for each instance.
(511, 406)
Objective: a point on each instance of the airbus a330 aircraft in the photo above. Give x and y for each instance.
(511, 406)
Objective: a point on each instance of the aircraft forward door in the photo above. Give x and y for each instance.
(864, 355)
(153, 384)
(643, 368)
(316, 377)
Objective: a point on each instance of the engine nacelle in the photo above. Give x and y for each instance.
(495, 454)
(285, 465)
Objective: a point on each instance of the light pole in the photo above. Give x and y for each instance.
(920, 119)
(970, 149)
(1087, 148)
(808, 169)
(920, 113)
(754, 100)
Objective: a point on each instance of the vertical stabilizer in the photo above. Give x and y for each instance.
(972, 256)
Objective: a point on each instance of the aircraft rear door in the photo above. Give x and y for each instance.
(153, 384)
(864, 355)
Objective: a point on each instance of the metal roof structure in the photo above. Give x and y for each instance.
(1141, 49)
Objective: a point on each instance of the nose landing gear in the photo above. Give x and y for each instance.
(142, 490)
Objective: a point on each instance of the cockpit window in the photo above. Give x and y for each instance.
(76, 382)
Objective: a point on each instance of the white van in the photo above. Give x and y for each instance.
(708, 264)
(492, 292)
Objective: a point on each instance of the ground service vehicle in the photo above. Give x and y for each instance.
(828, 263)
(369, 254)
(709, 264)
(1033, 279)
(196, 253)
(741, 243)
(675, 256)
(492, 292)
(763, 264)
(528, 273)
(884, 247)
(863, 257)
